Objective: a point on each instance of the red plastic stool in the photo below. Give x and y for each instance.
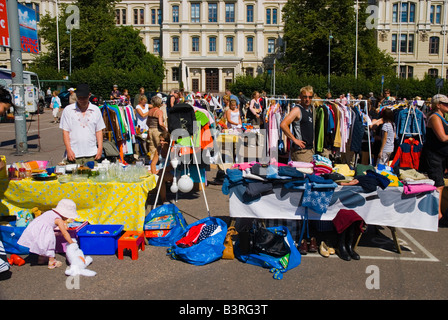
(131, 240)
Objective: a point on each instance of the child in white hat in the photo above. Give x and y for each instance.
(39, 235)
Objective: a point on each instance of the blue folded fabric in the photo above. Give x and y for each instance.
(235, 175)
(272, 174)
(290, 172)
(318, 179)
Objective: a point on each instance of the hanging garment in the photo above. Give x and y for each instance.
(408, 154)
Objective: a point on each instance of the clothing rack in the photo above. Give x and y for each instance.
(411, 111)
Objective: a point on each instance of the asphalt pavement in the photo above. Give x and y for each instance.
(418, 273)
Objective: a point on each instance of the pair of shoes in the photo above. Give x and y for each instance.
(313, 245)
(303, 248)
(325, 250)
(54, 264)
(15, 259)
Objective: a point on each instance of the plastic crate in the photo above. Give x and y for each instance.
(61, 243)
(93, 240)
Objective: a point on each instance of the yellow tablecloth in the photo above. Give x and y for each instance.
(228, 137)
(97, 203)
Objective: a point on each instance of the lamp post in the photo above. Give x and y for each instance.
(69, 32)
(329, 61)
(57, 35)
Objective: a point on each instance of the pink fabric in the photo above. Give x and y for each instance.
(417, 188)
(299, 164)
(39, 235)
(244, 165)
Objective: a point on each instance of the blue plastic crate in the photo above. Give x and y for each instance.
(93, 241)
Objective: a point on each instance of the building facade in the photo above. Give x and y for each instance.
(205, 44)
(414, 33)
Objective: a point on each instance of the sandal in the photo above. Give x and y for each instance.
(54, 264)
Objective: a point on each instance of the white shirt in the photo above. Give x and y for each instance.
(82, 129)
(140, 120)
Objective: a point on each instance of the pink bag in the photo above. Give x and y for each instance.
(417, 188)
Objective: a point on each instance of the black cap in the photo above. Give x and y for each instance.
(82, 90)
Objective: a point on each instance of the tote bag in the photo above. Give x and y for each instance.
(175, 232)
(193, 249)
(276, 265)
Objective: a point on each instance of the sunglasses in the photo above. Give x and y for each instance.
(309, 97)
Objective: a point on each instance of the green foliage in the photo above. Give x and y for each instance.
(291, 82)
(308, 24)
(103, 54)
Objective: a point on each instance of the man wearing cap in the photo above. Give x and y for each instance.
(115, 94)
(82, 125)
(72, 97)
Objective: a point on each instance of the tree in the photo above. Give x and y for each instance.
(103, 54)
(308, 24)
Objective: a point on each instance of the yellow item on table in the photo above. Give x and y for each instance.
(96, 202)
(344, 169)
(394, 181)
(3, 173)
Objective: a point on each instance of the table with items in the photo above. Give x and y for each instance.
(98, 202)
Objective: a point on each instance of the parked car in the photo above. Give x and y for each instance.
(64, 95)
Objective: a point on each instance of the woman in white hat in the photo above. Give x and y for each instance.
(39, 235)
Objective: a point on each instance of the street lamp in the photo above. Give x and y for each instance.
(69, 32)
(329, 53)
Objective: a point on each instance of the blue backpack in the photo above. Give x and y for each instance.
(276, 265)
(201, 243)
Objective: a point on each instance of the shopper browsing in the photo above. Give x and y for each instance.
(435, 150)
(387, 136)
(233, 116)
(39, 235)
(302, 135)
(156, 123)
(55, 105)
(158, 162)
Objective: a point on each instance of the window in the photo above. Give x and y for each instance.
(175, 13)
(410, 43)
(156, 45)
(406, 12)
(175, 44)
(394, 43)
(435, 14)
(195, 12)
(230, 12)
(120, 16)
(195, 85)
(406, 43)
(268, 16)
(195, 44)
(410, 72)
(433, 73)
(139, 16)
(250, 13)
(229, 44)
(274, 16)
(250, 72)
(153, 16)
(175, 74)
(434, 45)
(212, 44)
(403, 43)
(212, 12)
(159, 16)
(403, 72)
(406, 72)
(250, 44)
(271, 45)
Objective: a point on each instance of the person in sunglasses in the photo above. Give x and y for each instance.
(300, 120)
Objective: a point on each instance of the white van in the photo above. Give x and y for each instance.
(34, 98)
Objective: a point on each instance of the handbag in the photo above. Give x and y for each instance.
(110, 149)
(228, 244)
(269, 242)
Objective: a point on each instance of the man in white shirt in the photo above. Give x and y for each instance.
(82, 125)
